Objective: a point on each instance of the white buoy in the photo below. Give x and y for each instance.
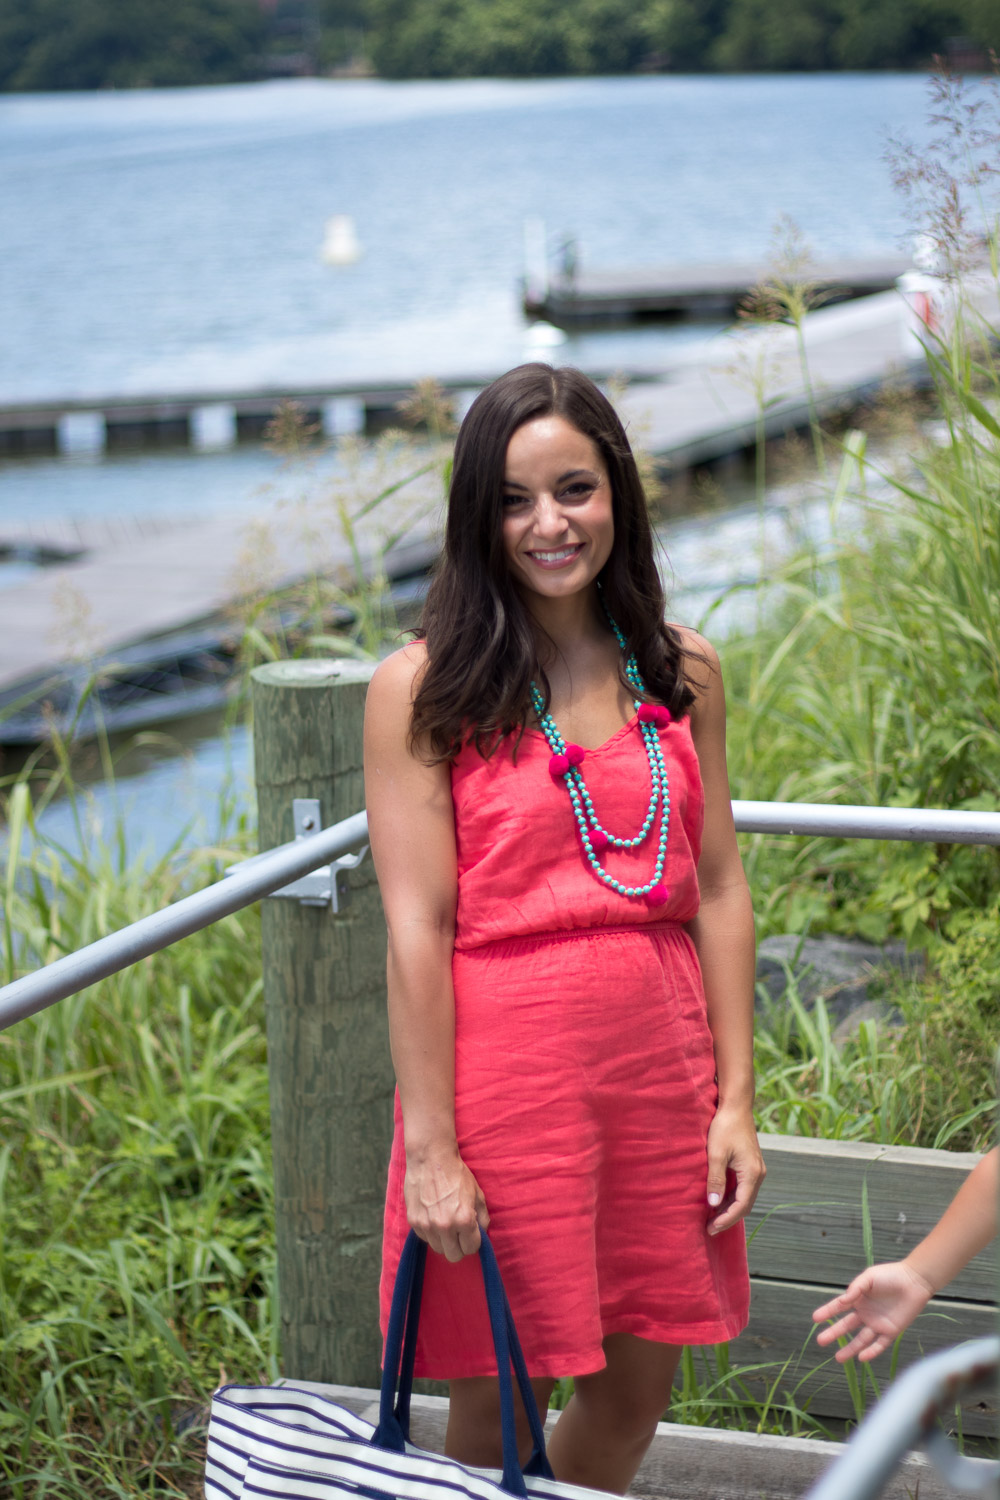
(544, 336)
(340, 243)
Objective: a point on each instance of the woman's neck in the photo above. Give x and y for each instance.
(563, 626)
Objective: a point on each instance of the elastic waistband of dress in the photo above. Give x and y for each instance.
(573, 934)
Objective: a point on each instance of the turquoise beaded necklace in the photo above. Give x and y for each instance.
(565, 762)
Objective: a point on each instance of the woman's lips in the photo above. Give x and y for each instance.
(555, 557)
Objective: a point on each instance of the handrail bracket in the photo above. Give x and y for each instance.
(325, 886)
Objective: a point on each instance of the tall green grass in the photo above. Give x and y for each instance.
(136, 1214)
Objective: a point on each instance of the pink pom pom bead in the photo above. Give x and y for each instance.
(575, 754)
(598, 840)
(654, 713)
(658, 896)
(558, 765)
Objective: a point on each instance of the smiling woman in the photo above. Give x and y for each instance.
(570, 940)
(558, 525)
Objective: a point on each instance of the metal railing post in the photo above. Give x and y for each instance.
(328, 1051)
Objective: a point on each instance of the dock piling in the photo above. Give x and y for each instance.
(343, 416)
(327, 1031)
(213, 427)
(81, 434)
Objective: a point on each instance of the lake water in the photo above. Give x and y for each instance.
(158, 241)
(166, 240)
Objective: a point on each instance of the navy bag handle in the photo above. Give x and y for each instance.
(393, 1428)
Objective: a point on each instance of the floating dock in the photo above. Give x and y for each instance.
(706, 292)
(207, 421)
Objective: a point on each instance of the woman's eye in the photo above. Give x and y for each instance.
(579, 491)
(510, 500)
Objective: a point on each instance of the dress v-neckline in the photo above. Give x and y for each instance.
(605, 744)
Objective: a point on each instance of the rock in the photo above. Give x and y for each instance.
(879, 1011)
(838, 969)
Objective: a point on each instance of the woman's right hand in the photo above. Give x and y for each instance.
(444, 1203)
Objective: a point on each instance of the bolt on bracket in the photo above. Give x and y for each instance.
(326, 886)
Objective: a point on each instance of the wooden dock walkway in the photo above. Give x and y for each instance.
(708, 408)
(129, 587)
(701, 291)
(135, 586)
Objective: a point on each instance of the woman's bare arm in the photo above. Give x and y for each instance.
(723, 934)
(411, 822)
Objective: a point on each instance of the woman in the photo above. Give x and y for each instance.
(571, 1029)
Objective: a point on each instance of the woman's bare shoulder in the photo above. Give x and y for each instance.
(701, 660)
(397, 677)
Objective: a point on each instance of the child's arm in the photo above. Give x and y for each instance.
(884, 1300)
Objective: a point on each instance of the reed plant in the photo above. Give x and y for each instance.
(872, 675)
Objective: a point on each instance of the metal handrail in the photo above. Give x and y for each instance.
(274, 868)
(918, 825)
(907, 1418)
(118, 950)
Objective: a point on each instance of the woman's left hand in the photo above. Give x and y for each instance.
(735, 1168)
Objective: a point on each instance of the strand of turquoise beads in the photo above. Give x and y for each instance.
(565, 762)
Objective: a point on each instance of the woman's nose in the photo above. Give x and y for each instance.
(549, 518)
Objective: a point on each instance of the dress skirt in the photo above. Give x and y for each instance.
(584, 1092)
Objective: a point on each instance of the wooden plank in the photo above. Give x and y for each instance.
(809, 1212)
(781, 1330)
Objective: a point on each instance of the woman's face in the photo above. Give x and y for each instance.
(558, 525)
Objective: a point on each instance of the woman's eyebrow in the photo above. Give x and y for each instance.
(512, 484)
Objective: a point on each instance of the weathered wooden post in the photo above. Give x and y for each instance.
(328, 1050)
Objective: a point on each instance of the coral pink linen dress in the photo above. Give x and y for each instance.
(584, 1073)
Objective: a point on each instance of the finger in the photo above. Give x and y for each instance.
(441, 1235)
(880, 1345)
(736, 1209)
(838, 1330)
(859, 1343)
(452, 1246)
(833, 1308)
(748, 1186)
(470, 1239)
(421, 1229)
(715, 1186)
(725, 1220)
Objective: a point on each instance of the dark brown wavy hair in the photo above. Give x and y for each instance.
(481, 654)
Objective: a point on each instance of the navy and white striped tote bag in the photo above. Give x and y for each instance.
(285, 1443)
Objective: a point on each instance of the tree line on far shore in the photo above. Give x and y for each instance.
(90, 44)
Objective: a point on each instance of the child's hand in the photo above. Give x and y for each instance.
(876, 1307)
